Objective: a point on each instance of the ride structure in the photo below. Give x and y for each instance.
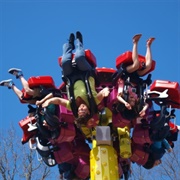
(105, 148)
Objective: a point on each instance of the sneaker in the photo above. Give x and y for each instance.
(79, 36)
(71, 40)
(8, 83)
(16, 72)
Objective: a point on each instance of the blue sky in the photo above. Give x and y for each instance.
(32, 33)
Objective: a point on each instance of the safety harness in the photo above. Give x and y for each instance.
(70, 80)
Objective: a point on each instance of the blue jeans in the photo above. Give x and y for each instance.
(81, 62)
(160, 145)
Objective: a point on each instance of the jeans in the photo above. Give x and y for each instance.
(160, 145)
(79, 57)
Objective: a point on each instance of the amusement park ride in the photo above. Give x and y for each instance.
(115, 140)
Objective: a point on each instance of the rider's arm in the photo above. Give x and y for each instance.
(121, 100)
(103, 93)
(143, 111)
(56, 101)
(50, 95)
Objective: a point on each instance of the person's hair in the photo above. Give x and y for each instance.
(37, 91)
(83, 119)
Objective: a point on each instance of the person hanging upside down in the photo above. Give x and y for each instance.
(28, 95)
(33, 94)
(156, 152)
(132, 102)
(80, 93)
(135, 65)
(129, 108)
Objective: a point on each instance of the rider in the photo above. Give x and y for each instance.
(82, 66)
(29, 95)
(129, 107)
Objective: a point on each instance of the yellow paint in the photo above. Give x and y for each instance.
(104, 164)
(124, 142)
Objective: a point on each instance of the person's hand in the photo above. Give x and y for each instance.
(170, 150)
(142, 113)
(128, 106)
(105, 92)
(45, 104)
(38, 103)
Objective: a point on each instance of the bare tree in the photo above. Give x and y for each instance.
(168, 170)
(17, 161)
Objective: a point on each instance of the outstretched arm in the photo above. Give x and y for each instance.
(120, 99)
(55, 100)
(103, 93)
(50, 95)
(143, 111)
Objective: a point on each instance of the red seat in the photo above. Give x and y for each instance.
(65, 115)
(83, 168)
(173, 91)
(126, 59)
(24, 126)
(89, 56)
(119, 121)
(139, 156)
(67, 132)
(37, 81)
(141, 135)
(105, 70)
(173, 127)
(64, 152)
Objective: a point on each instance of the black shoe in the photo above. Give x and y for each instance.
(31, 109)
(79, 36)
(71, 40)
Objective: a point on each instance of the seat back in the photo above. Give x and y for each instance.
(89, 56)
(126, 59)
(38, 81)
(173, 91)
(63, 153)
(24, 126)
(140, 135)
(139, 156)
